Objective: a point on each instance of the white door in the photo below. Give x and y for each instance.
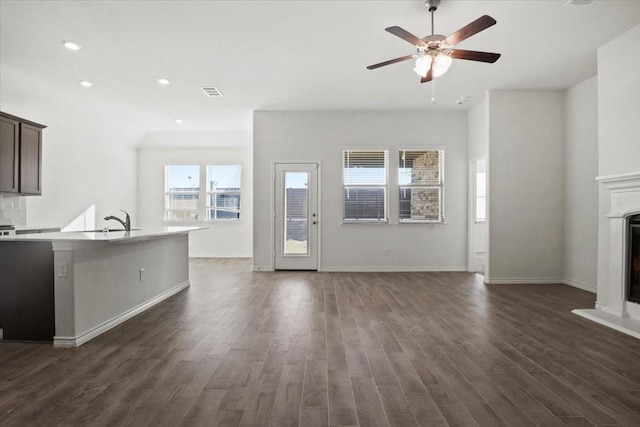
(296, 216)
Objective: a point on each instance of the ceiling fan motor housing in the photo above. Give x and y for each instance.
(432, 5)
(434, 40)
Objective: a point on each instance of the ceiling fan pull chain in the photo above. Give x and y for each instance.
(433, 91)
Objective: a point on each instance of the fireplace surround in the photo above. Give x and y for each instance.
(614, 306)
(633, 259)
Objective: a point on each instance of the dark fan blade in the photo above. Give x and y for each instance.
(473, 55)
(467, 31)
(391, 61)
(405, 35)
(429, 75)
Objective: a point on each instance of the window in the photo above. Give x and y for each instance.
(223, 192)
(365, 177)
(481, 190)
(421, 185)
(182, 192)
(183, 201)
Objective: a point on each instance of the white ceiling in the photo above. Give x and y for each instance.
(293, 55)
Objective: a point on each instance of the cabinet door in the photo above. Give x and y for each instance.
(9, 152)
(30, 159)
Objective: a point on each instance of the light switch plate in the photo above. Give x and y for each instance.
(63, 269)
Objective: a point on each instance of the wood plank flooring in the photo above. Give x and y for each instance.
(335, 349)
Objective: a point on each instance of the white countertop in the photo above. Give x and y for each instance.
(111, 236)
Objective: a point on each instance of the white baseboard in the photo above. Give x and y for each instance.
(216, 255)
(580, 285)
(112, 323)
(390, 269)
(262, 268)
(522, 280)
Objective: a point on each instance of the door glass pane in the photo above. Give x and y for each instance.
(296, 213)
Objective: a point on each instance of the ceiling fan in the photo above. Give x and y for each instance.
(435, 52)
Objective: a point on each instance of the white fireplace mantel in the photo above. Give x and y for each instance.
(612, 308)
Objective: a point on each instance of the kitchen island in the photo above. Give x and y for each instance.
(94, 280)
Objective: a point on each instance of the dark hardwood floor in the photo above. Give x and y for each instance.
(319, 349)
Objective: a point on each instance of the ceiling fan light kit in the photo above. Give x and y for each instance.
(434, 52)
(440, 61)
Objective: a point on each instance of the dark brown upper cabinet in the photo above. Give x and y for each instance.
(20, 155)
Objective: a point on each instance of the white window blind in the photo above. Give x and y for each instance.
(365, 181)
(421, 185)
(182, 192)
(223, 192)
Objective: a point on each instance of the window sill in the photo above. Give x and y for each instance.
(422, 224)
(366, 223)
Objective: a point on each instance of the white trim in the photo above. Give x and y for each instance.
(610, 310)
(392, 269)
(318, 203)
(607, 179)
(262, 268)
(626, 325)
(523, 281)
(112, 323)
(217, 255)
(580, 285)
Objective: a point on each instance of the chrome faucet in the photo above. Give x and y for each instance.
(126, 223)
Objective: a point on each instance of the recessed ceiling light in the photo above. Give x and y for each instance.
(164, 81)
(178, 120)
(72, 45)
(85, 83)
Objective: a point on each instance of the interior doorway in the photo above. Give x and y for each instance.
(477, 216)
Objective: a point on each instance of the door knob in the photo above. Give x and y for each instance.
(314, 222)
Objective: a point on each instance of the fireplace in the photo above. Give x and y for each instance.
(618, 296)
(633, 263)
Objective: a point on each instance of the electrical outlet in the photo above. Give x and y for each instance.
(63, 269)
(142, 274)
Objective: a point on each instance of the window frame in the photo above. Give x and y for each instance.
(208, 193)
(168, 193)
(346, 187)
(440, 187)
(202, 193)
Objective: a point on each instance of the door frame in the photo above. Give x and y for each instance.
(274, 227)
(471, 215)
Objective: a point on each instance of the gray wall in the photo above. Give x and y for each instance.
(580, 185)
(526, 186)
(321, 137)
(222, 239)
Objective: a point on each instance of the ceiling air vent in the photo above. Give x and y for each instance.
(212, 91)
